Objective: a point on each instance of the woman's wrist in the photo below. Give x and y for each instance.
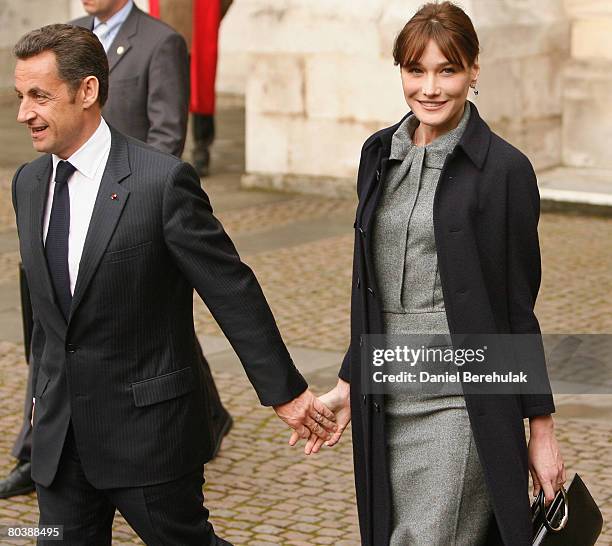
(541, 425)
(343, 388)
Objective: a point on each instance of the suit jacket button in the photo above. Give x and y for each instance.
(71, 348)
(377, 407)
(364, 398)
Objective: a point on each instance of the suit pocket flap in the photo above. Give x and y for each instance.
(162, 388)
(126, 253)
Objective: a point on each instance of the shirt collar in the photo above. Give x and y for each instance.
(117, 19)
(88, 157)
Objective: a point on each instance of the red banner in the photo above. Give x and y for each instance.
(154, 8)
(206, 19)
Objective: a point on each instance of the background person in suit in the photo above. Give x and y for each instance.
(148, 96)
(148, 100)
(114, 236)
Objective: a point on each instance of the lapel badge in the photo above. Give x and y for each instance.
(114, 196)
(120, 50)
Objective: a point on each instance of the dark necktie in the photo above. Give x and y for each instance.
(56, 244)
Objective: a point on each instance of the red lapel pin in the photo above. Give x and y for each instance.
(113, 196)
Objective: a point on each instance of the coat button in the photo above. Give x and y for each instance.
(361, 231)
(377, 407)
(371, 291)
(358, 282)
(364, 399)
(71, 348)
(377, 175)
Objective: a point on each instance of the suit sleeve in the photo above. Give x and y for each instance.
(208, 259)
(168, 95)
(524, 275)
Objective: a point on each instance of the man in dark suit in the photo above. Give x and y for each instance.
(114, 236)
(148, 100)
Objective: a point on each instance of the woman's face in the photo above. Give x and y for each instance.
(436, 90)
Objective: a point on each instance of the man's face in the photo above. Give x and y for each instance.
(53, 114)
(103, 9)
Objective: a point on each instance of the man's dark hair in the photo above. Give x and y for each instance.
(78, 54)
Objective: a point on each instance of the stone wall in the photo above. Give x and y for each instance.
(18, 17)
(587, 80)
(320, 78)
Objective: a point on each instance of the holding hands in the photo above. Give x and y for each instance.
(308, 417)
(337, 402)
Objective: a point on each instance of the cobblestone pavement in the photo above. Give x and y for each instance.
(260, 491)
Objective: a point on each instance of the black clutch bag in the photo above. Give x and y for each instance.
(572, 518)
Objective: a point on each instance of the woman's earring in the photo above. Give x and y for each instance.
(473, 86)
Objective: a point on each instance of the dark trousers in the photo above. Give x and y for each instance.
(171, 513)
(203, 137)
(23, 443)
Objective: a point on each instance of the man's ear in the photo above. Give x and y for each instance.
(90, 88)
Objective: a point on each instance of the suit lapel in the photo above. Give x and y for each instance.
(38, 204)
(109, 205)
(121, 44)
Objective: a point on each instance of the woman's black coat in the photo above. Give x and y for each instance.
(485, 213)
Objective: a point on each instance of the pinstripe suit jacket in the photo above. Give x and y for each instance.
(124, 367)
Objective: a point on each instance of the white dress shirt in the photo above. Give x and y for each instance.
(107, 31)
(90, 162)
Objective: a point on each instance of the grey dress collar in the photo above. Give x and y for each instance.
(416, 170)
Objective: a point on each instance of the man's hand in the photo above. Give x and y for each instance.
(545, 461)
(337, 400)
(308, 417)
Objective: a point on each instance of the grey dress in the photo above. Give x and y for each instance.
(437, 485)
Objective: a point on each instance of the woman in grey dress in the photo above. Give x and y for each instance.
(419, 425)
(437, 486)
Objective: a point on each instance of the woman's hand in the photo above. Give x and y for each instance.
(337, 400)
(545, 461)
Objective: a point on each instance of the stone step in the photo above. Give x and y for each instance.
(581, 190)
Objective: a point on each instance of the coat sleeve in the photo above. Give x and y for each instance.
(168, 95)
(345, 368)
(524, 275)
(208, 259)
